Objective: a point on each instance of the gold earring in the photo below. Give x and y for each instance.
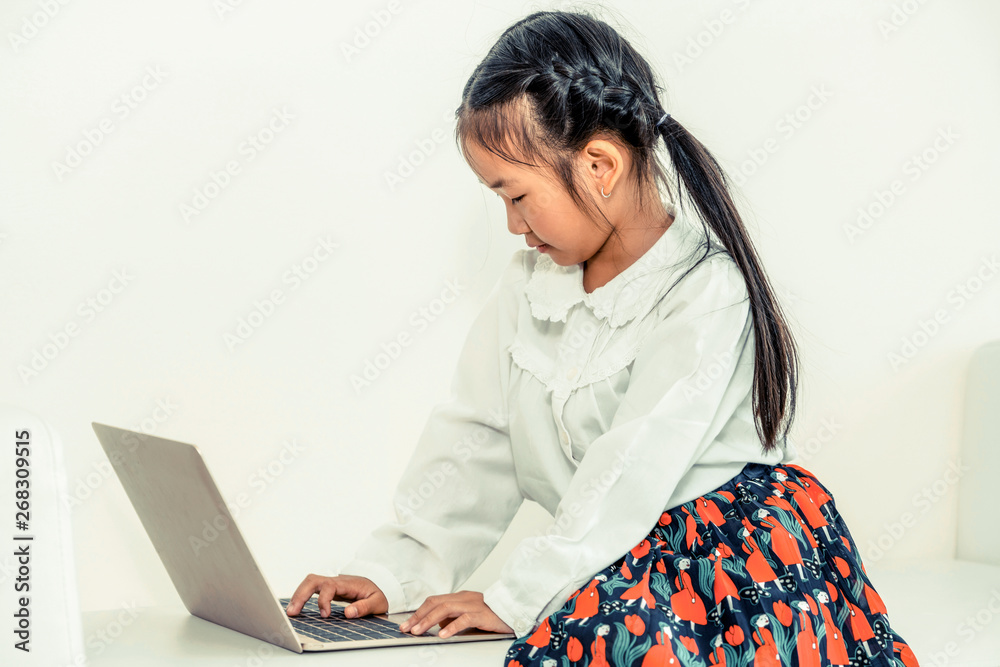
(602, 192)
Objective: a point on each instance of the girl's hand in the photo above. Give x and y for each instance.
(369, 598)
(466, 608)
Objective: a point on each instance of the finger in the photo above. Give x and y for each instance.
(301, 595)
(359, 607)
(327, 590)
(402, 626)
(439, 612)
(459, 601)
(408, 623)
(429, 603)
(457, 625)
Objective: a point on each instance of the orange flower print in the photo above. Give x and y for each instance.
(734, 635)
(635, 624)
(689, 644)
(574, 649)
(782, 612)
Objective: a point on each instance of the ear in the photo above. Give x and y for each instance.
(604, 163)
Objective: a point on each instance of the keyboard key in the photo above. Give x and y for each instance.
(337, 627)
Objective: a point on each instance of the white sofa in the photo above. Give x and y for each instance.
(948, 610)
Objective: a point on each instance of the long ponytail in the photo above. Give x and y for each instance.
(776, 358)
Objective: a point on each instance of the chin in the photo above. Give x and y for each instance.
(560, 259)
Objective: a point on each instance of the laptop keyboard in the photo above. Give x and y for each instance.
(338, 628)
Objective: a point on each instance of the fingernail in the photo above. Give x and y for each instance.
(349, 612)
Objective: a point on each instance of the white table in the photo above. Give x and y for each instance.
(167, 635)
(928, 602)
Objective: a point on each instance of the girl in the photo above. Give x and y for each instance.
(631, 373)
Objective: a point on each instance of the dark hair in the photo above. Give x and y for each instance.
(553, 81)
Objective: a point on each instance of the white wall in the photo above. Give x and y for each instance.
(876, 433)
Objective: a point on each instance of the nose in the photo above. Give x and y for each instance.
(515, 222)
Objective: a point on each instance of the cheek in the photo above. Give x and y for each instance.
(551, 206)
(531, 209)
(545, 200)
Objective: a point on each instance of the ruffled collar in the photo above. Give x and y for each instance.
(552, 290)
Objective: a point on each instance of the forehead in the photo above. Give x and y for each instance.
(492, 170)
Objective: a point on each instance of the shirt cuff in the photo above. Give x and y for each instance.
(381, 577)
(500, 601)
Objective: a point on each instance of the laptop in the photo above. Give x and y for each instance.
(210, 563)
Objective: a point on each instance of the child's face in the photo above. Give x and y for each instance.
(539, 208)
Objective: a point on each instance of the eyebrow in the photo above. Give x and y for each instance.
(500, 183)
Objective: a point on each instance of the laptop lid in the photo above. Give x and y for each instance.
(195, 534)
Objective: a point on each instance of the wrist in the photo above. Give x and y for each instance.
(498, 598)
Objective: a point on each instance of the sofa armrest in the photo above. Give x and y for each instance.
(978, 540)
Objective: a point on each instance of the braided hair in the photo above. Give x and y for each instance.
(554, 81)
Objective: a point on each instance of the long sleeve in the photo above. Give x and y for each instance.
(694, 368)
(459, 491)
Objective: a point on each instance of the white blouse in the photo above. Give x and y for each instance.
(606, 408)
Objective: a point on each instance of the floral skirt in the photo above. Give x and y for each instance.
(762, 571)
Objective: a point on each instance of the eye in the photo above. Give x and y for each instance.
(514, 200)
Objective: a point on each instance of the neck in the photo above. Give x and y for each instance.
(621, 250)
